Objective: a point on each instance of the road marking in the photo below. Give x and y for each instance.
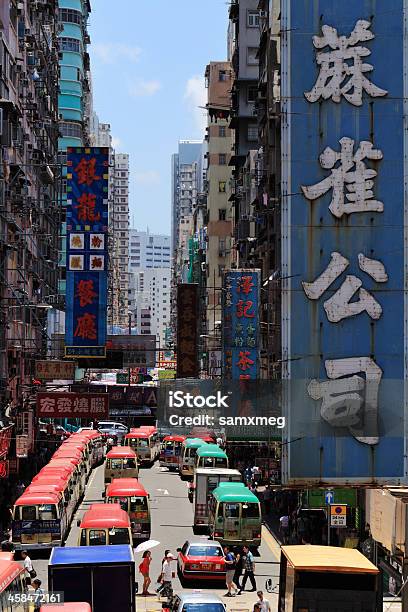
(271, 543)
(164, 491)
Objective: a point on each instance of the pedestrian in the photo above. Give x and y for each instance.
(160, 578)
(28, 567)
(263, 604)
(167, 576)
(249, 569)
(239, 565)
(284, 527)
(229, 559)
(38, 594)
(257, 607)
(144, 569)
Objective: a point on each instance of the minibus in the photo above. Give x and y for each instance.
(189, 451)
(235, 515)
(120, 463)
(145, 442)
(63, 461)
(12, 586)
(133, 499)
(104, 524)
(39, 521)
(211, 456)
(171, 452)
(39, 486)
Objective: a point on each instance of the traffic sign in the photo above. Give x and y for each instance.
(329, 497)
(338, 515)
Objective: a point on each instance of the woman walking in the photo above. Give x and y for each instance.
(144, 569)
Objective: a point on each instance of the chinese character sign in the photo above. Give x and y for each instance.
(187, 337)
(73, 405)
(87, 226)
(344, 277)
(240, 325)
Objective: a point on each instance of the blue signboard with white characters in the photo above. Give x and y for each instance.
(344, 210)
(87, 252)
(240, 325)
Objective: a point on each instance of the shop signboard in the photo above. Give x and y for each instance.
(344, 202)
(56, 405)
(55, 370)
(187, 334)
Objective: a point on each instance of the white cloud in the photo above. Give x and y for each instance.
(144, 88)
(196, 96)
(116, 142)
(147, 177)
(110, 53)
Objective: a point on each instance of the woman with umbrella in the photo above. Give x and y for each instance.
(144, 569)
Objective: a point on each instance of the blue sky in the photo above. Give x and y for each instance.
(148, 59)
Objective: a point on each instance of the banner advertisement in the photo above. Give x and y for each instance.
(73, 405)
(22, 444)
(344, 235)
(240, 328)
(87, 255)
(187, 336)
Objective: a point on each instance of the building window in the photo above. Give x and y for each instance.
(222, 186)
(253, 19)
(252, 94)
(221, 268)
(222, 214)
(252, 132)
(222, 131)
(252, 56)
(222, 75)
(70, 44)
(70, 16)
(73, 130)
(222, 159)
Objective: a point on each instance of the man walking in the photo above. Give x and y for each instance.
(249, 568)
(263, 604)
(230, 571)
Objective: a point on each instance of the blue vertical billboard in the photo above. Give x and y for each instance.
(240, 324)
(87, 254)
(344, 259)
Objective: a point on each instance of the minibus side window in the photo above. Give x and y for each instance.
(97, 537)
(28, 513)
(219, 512)
(83, 537)
(16, 514)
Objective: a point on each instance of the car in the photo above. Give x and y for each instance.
(116, 430)
(195, 602)
(202, 560)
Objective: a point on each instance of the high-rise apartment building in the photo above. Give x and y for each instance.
(150, 290)
(187, 170)
(120, 226)
(30, 204)
(148, 250)
(218, 176)
(150, 282)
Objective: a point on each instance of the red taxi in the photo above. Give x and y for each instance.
(201, 560)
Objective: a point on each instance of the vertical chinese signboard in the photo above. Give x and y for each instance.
(240, 328)
(87, 226)
(344, 262)
(187, 340)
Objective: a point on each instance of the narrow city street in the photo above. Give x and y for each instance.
(172, 519)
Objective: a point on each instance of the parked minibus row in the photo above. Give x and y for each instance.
(43, 513)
